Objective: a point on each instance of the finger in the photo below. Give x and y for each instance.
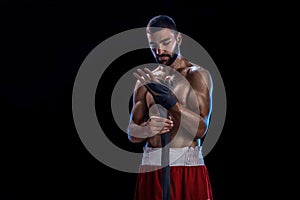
(161, 121)
(157, 118)
(168, 125)
(157, 130)
(143, 74)
(157, 126)
(139, 78)
(143, 82)
(169, 122)
(164, 131)
(160, 126)
(151, 74)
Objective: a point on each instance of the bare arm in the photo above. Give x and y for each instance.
(196, 123)
(141, 126)
(136, 128)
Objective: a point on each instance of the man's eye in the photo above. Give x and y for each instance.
(166, 43)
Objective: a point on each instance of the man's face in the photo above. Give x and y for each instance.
(164, 46)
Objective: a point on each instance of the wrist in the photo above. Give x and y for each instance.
(175, 108)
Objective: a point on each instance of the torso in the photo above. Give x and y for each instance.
(182, 89)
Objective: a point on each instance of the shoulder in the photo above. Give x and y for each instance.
(199, 75)
(195, 70)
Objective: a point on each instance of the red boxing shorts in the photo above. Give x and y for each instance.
(189, 175)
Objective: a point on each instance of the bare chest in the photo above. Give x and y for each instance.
(179, 86)
(181, 90)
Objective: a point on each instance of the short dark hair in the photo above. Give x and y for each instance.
(161, 21)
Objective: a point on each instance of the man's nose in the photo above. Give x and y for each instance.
(158, 51)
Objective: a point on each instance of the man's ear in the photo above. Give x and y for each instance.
(179, 38)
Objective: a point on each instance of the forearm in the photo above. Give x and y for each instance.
(138, 133)
(193, 122)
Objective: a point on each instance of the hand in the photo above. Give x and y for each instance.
(160, 92)
(159, 125)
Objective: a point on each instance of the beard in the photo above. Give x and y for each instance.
(171, 57)
(169, 61)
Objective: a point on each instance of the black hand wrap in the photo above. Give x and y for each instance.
(161, 94)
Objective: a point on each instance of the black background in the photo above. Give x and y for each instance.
(43, 44)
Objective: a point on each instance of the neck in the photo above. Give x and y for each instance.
(176, 65)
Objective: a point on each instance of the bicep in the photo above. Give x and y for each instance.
(139, 109)
(200, 95)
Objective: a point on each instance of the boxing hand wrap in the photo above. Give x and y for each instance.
(161, 94)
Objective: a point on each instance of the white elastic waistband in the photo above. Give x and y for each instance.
(186, 156)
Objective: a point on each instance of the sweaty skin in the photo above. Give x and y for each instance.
(192, 86)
